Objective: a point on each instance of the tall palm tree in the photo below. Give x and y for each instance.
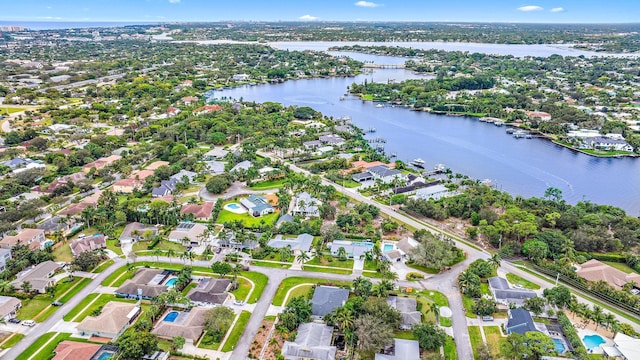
(464, 281)
(495, 260)
(597, 315)
(157, 252)
(171, 253)
(435, 309)
(303, 257)
(342, 253)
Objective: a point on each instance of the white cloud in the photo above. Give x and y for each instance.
(308, 17)
(174, 1)
(557, 9)
(368, 4)
(530, 8)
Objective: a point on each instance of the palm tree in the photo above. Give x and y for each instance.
(609, 319)
(597, 315)
(464, 281)
(342, 253)
(435, 309)
(188, 255)
(171, 253)
(495, 260)
(303, 257)
(157, 253)
(5, 287)
(344, 318)
(285, 253)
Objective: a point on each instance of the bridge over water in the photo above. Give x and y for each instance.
(383, 66)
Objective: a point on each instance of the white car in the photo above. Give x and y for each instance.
(238, 302)
(29, 323)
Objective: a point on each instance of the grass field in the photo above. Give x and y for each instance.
(468, 303)
(621, 266)
(347, 264)
(7, 110)
(12, 340)
(259, 281)
(450, 349)
(327, 270)
(267, 185)
(517, 280)
(302, 290)
(79, 312)
(62, 252)
(111, 245)
(243, 289)
(102, 267)
(270, 264)
(236, 332)
(247, 220)
(494, 339)
(476, 340)
(435, 296)
(164, 245)
(41, 352)
(290, 282)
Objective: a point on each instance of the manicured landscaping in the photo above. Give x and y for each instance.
(34, 309)
(621, 266)
(244, 286)
(468, 303)
(259, 282)
(236, 332)
(326, 270)
(347, 264)
(435, 296)
(116, 274)
(372, 274)
(102, 267)
(76, 310)
(247, 220)
(484, 289)
(267, 185)
(112, 244)
(62, 252)
(12, 340)
(76, 289)
(494, 339)
(450, 352)
(290, 282)
(517, 280)
(476, 340)
(302, 290)
(403, 334)
(270, 264)
(38, 350)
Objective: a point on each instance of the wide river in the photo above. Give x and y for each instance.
(483, 151)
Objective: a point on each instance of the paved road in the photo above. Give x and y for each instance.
(44, 327)
(236, 189)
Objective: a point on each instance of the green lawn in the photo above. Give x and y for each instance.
(102, 267)
(484, 289)
(270, 264)
(111, 279)
(268, 185)
(446, 322)
(435, 296)
(423, 268)
(62, 252)
(290, 282)
(6, 110)
(302, 290)
(243, 289)
(236, 332)
(247, 220)
(32, 307)
(41, 352)
(372, 274)
(164, 245)
(347, 264)
(12, 340)
(621, 266)
(327, 270)
(403, 334)
(476, 340)
(450, 352)
(76, 289)
(370, 265)
(494, 339)
(209, 346)
(112, 245)
(259, 281)
(517, 280)
(468, 303)
(76, 310)
(188, 288)
(102, 300)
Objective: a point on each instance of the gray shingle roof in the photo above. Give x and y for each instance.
(520, 321)
(327, 298)
(312, 342)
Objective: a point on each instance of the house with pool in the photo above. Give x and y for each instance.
(188, 232)
(354, 249)
(257, 205)
(147, 283)
(188, 323)
(112, 321)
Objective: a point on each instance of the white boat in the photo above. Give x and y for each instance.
(379, 106)
(439, 168)
(417, 163)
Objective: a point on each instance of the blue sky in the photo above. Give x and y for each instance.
(551, 11)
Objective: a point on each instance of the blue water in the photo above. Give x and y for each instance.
(559, 346)
(75, 227)
(363, 244)
(591, 342)
(233, 206)
(171, 282)
(387, 247)
(105, 356)
(48, 243)
(171, 317)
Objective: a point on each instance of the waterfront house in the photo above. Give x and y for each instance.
(607, 144)
(188, 231)
(9, 307)
(32, 237)
(112, 321)
(594, 270)
(145, 284)
(538, 116)
(386, 174)
(39, 276)
(332, 140)
(206, 109)
(327, 298)
(89, 243)
(313, 341)
(199, 211)
(434, 192)
(209, 292)
(188, 100)
(240, 77)
(400, 350)
(257, 205)
(305, 205)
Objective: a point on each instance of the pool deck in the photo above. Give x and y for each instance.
(238, 209)
(585, 332)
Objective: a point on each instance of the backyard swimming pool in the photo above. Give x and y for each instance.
(105, 356)
(560, 348)
(235, 208)
(387, 247)
(592, 342)
(171, 317)
(171, 282)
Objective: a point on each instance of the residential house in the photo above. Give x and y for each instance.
(504, 294)
(182, 174)
(127, 186)
(216, 153)
(313, 341)
(520, 321)
(48, 189)
(407, 245)
(400, 350)
(135, 231)
(594, 270)
(39, 276)
(101, 163)
(156, 164)
(386, 174)
(74, 350)
(257, 205)
(188, 100)
(112, 321)
(89, 243)
(332, 140)
(538, 116)
(312, 145)
(240, 77)
(188, 325)
(37, 164)
(624, 347)
(301, 243)
(434, 192)
(408, 311)
(286, 218)
(206, 109)
(17, 162)
(362, 177)
(305, 205)
(241, 166)
(209, 292)
(32, 237)
(53, 224)
(5, 255)
(9, 307)
(192, 232)
(214, 167)
(327, 298)
(173, 111)
(199, 211)
(603, 143)
(145, 284)
(354, 249)
(231, 241)
(167, 187)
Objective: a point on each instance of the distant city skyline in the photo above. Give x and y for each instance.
(542, 11)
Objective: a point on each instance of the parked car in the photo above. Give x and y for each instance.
(15, 321)
(28, 323)
(238, 302)
(56, 303)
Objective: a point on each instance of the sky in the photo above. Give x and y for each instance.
(531, 11)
